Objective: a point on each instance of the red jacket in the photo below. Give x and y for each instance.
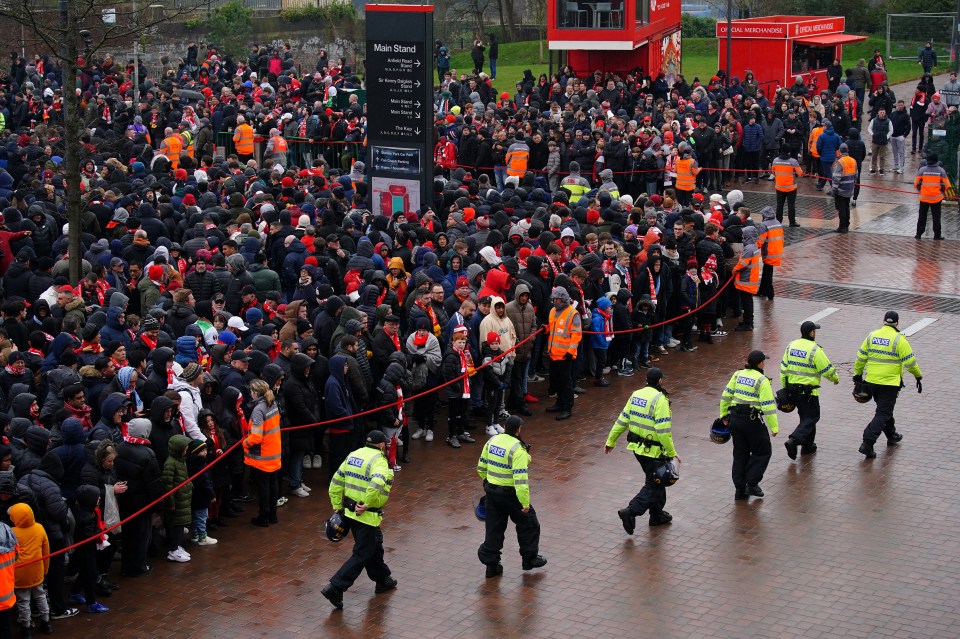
(5, 238)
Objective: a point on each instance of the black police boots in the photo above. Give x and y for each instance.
(537, 562)
(866, 448)
(741, 493)
(629, 521)
(334, 595)
(754, 490)
(386, 585)
(661, 518)
(494, 570)
(894, 439)
(791, 446)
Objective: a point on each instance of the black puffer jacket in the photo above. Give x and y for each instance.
(44, 483)
(37, 439)
(300, 398)
(137, 465)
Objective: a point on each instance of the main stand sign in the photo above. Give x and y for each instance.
(400, 106)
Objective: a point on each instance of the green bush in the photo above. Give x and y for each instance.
(231, 27)
(697, 27)
(338, 11)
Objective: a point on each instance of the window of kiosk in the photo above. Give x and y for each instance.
(807, 58)
(643, 12)
(578, 14)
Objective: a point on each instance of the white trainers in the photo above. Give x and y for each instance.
(418, 433)
(307, 462)
(504, 415)
(317, 462)
(300, 492)
(306, 488)
(184, 551)
(500, 429)
(207, 541)
(429, 436)
(177, 556)
(491, 430)
(673, 343)
(282, 501)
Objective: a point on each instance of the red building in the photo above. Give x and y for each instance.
(617, 35)
(779, 48)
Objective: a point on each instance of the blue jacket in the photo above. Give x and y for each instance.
(752, 137)
(338, 402)
(828, 144)
(598, 324)
(113, 330)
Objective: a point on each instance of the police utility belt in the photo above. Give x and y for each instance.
(801, 390)
(745, 411)
(351, 505)
(646, 442)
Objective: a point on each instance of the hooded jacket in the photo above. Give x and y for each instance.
(160, 430)
(176, 507)
(44, 483)
(524, 320)
(190, 404)
(106, 428)
(502, 326)
(33, 542)
(338, 399)
(300, 400)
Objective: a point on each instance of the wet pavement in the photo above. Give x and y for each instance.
(839, 547)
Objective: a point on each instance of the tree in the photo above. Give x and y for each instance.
(98, 25)
(508, 18)
(231, 27)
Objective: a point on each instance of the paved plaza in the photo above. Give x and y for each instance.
(839, 547)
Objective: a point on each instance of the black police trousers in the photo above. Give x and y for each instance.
(651, 497)
(751, 449)
(367, 554)
(502, 504)
(882, 422)
(808, 407)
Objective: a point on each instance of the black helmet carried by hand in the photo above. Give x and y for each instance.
(861, 390)
(338, 527)
(784, 401)
(719, 432)
(481, 510)
(667, 474)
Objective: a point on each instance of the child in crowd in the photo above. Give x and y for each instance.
(176, 511)
(495, 379)
(86, 510)
(203, 493)
(29, 572)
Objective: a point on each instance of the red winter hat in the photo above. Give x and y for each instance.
(692, 263)
(493, 338)
(462, 281)
(504, 96)
(180, 175)
(711, 263)
(593, 216)
(188, 199)
(657, 199)
(155, 272)
(312, 261)
(286, 182)
(524, 254)
(698, 197)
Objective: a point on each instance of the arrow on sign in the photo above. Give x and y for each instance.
(416, 63)
(416, 114)
(417, 104)
(416, 83)
(416, 131)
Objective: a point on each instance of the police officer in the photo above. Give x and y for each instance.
(747, 402)
(880, 363)
(804, 363)
(360, 490)
(503, 467)
(647, 418)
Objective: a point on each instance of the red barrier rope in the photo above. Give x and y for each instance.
(327, 422)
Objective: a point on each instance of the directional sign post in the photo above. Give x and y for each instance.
(400, 106)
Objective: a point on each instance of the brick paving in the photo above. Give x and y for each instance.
(839, 547)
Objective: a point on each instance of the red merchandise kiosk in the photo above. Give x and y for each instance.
(617, 35)
(779, 48)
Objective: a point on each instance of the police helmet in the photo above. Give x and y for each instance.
(481, 510)
(784, 401)
(719, 432)
(861, 392)
(666, 475)
(337, 527)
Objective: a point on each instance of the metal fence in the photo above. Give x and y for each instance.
(302, 152)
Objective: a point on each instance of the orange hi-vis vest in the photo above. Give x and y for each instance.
(280, 145)
(686, 174)
(9, 549)
(786, 173)
(243, 139)
(261, 448)
(771, 245)
(172, 147)
(932, 182)
(748, 273)
(517, 158)
(812, 140)
(563, 333)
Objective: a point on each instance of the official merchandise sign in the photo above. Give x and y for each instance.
(400, 71)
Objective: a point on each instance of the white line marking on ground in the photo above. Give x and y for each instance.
(916, 327)
(819, 316)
